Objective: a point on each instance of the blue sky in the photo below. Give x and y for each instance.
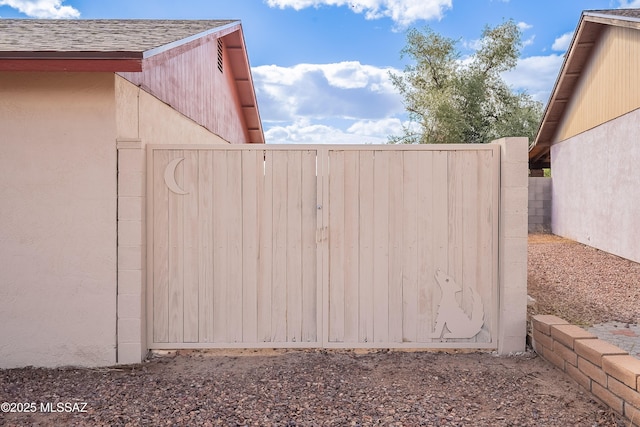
(321, 67)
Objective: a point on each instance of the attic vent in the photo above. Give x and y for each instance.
(220, 55)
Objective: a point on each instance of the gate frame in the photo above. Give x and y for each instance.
(512, 248)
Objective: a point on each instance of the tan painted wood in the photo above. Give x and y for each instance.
(608, 86)
(207, 246)
(310, 310)
(235, 267)
(409, 248)
(336, 245)
(176, 258)
(279, 260)
(160, 273)
(440, 231)
(265, 266)
(351, 248)
(470, 254)
(252, 173)
(191, 247)
(294, 246)
(381, 247)
(220, 242)
(396, 210)
(366, 246)
(487, 240)
(426, 245)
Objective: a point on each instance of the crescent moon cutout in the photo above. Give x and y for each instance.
(170, 176)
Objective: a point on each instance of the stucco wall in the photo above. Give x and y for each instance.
(57, 228)
(596, 191)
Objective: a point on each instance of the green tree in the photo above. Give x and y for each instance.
(451, 99)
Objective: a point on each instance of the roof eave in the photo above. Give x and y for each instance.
(561, 94)
(71, 61)
(243, 79)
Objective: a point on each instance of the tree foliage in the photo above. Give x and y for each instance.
(451, 99)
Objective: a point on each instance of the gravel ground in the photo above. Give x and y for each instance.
(317, 387)
(580, 284)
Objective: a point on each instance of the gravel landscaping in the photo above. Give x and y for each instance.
(359, 388)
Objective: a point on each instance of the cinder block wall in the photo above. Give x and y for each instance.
(608, 372)
(539, 205)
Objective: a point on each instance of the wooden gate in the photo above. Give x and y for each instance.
(322, 246)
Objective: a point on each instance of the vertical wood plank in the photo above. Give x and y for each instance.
(456, 172)
(351, 246)
(252, 171)
(279, 285)
(487, 285)
(381, 247)
(265, 274)
(176, 259)
(410, 247)
(310, 300)
(220, 240)
(366, 246)
(336, 245)
(396, 196)
(205, 280)
(323, 244)
(425, 231)
(294, 246)
(160, 273)
(440, 226)
(191, 247)
(234, 246)
(469, 280)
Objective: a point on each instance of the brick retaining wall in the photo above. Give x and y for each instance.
(608, 372)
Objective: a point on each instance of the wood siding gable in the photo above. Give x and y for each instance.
(609, 86)
(188, 78)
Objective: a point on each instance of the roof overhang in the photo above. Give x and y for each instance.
(585, 38)
(71, 61)
(239, 61)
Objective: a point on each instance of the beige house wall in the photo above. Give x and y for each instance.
(609, 86)
(596, 198)
(57, 228)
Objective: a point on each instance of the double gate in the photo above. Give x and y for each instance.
(322, 246)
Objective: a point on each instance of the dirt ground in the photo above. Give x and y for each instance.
(347, 388)
(309, 387)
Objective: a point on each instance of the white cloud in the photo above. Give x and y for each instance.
(529, 41)
(345, 102)
(624, 4)
(523, 26)
(562, 43)
(536, 75)
(403, 12)
(345, 90)
(42, 8)
(305, 132)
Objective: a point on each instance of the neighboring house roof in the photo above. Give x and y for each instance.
(121, 46)
(591, 25)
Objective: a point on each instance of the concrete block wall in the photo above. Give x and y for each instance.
(539, 205)
(512, 267)
(608, 372)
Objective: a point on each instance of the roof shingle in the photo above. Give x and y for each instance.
(102, 35)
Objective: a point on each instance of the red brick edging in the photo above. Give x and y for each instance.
(608, 372)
